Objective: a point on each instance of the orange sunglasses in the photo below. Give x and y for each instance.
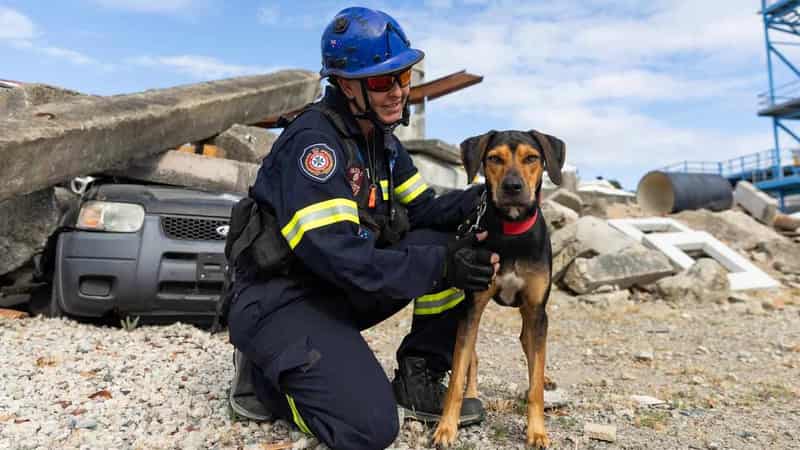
(385, 83)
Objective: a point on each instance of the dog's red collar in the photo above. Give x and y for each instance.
(521, 227)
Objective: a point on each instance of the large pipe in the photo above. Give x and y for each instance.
(671, 192)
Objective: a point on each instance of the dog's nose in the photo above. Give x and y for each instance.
(512, 185)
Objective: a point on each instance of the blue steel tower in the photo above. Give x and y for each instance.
(782, 101)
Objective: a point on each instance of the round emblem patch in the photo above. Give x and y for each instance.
(318, 161)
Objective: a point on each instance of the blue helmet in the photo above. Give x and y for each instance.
(362, 42)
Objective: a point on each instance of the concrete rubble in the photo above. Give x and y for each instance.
(26, 222)
(48, 144)
(50, 135)
(13, 101)
(245, 144)
(757, 203)
(133, 137)
(705, 281)
(631, 266)
(193, 171)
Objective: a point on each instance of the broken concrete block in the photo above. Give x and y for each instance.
(706, 281)
(564, 258)
(607, 433)
(566, 198)
(734, 228)
(742, 273)
(245, 144)
(785, 256)
(26, 221)
(569, 178)
(557, 216)
(632, 265)
(440, 175)
(194, 171)
(434, 147)
(13, 101)
(594, 233)
(759, 204)
(637, 228)
(47, 144)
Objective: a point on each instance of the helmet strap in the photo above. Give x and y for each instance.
(368, 113)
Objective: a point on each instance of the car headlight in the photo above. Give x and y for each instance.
(111, 216)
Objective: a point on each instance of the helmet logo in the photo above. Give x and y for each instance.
(341, 24)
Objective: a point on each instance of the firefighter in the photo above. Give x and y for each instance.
(366, 236)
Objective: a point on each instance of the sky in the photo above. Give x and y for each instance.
(630, 86)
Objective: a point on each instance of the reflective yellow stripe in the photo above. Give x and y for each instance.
(298, 420)
(319, 215)
(407, 184)
(438, 302)
(410, 197)
(385, 189)
(410, 189)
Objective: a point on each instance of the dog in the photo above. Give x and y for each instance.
(513, 164)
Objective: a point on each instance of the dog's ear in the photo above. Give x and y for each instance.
(554, 151)
(472, 151)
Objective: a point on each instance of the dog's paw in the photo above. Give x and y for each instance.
(538, 440)
(445, 434)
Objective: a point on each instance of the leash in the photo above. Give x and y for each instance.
(468, 226)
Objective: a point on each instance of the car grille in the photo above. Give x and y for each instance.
(192, 228)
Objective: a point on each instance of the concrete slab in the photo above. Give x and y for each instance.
(760, 205)
(743, 274)
(434, 147)
(245, 144)
(194, 171)
(440, 175)
(567, 198)
(26, 221)
(51, 143)
(637, 228)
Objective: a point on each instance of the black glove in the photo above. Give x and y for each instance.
(468, 267)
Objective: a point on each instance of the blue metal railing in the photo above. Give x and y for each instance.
(755, 166)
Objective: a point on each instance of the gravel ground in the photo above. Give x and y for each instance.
(729, 377)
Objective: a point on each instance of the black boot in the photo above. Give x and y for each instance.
(421, 392)
(242, 395)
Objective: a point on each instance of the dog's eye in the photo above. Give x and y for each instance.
(494, 159)
(530, 159)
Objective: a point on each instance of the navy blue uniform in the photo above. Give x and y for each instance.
(303, 330)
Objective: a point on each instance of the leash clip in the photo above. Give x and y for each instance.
(463, 230)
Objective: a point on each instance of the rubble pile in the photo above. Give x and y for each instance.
(49, 136)
(602, 265)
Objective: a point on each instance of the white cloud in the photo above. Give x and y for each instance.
(149, 6)
(269, 15)
(593, 72)
(14, 25)
(200, 67)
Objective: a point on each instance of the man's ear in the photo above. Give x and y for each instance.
(554, 151)
(472, 151)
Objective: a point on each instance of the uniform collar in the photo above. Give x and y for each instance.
(335, 98)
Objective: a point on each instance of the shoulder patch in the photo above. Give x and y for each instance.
(318, 162)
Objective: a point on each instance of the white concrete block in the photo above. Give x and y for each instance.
(742, 273)
(760, 205)
(636, 228)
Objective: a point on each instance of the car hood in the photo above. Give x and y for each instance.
(158, 199)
